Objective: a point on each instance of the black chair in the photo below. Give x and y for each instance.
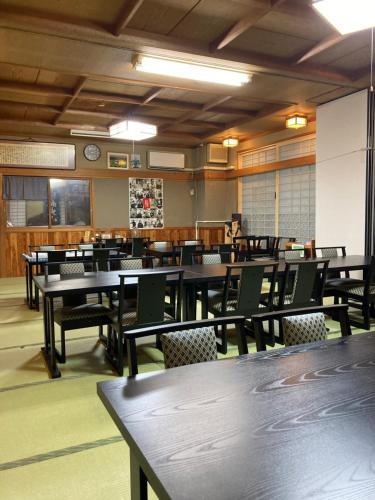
(302, 285)
(52, 256)
(138, 247)
(100, 257)
(361, 295)
(189, 242)
(248, 298)
(75, 312)
(308, 329)
(292, 254)
(110, 242)
(150, 310)
(130, 263)
(187, 342)
(335, 278)
(183, 254)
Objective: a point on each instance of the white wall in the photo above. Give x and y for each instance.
(341, 131)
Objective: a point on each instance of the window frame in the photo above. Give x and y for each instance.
(50, 226)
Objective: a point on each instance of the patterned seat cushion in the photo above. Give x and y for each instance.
(360, 290)
(211, 258)
(83, 311)
(304, 328)
(130, 264)
(189, 346)
(215, 304)
(72, 268)
(130, 317)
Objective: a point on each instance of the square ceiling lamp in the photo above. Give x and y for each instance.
(296, 121)
(132, 131)
(230, 142)
(192, 71)
(347, 16)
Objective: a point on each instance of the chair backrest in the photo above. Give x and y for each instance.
(187, 347)
(304, 328)
(183, 255)
(303, 284)
(190, 242)
(110, 242)
(138, 247)
(71, 269)
(86, 246)
(292, 254)
(330, 252)
(47, 248)
(55, 256)
(211, 258)
(151, 295)
(249, 291)
(131, 263)
(100, 257)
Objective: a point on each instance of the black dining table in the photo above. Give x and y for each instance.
(194, 275)
(290, 424)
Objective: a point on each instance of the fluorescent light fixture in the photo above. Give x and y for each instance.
(89, 133)
(347, 16)
(296, 121)
(230, 142)
(192, 71)
(132, 131)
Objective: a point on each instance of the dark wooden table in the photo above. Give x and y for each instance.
(54, 286)
(290, 424)
(194, 275)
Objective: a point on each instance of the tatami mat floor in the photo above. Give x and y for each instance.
(57, 440)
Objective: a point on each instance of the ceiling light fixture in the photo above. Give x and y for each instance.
(296, 121)
(132, 131)
(347, 16)
(230, 142)
(192, 71)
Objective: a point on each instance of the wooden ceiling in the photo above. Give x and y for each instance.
(67, 64)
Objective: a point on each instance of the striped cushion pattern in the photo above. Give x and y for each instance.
(189, 346)
(304, 329)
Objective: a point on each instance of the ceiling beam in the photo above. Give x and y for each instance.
(262, 113)
(323, 45)
(132, 39)
(187, 116)
(81, 82)
(255, 14)
(63, 125)
(146, 99)
(127, 12)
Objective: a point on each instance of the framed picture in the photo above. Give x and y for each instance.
(135, 160)
(146, 207)
(117, 160)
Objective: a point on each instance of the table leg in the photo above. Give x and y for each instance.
(138, 480)
(27, 285)
(189, 304)
(30, 275)
(49, 352)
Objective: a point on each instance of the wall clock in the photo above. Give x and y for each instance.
(92, 152)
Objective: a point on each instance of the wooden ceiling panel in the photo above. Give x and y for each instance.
(18, 73)
(285, 20)
(115, 88)
(99, 106)
(8, 110)
(32, 99)
(161, 16)
(55, 79)
(355, 42)
(165, 113)
(270, 43)
(180, 95)
(95, 11)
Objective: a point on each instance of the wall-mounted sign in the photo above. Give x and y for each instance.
(146, 204)
(46, 155)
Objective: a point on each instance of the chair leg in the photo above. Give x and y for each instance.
(132, 357)
(36, 293)
(120, 353)
(63, 351)
(241, 339)
(223, 346)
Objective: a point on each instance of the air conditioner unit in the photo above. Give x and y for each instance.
(89, 133)
(162, 160)
(217, 153)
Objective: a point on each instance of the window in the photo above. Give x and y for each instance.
(39, 201)
(70, 202)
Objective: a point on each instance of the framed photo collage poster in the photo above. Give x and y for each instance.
(146, 204)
